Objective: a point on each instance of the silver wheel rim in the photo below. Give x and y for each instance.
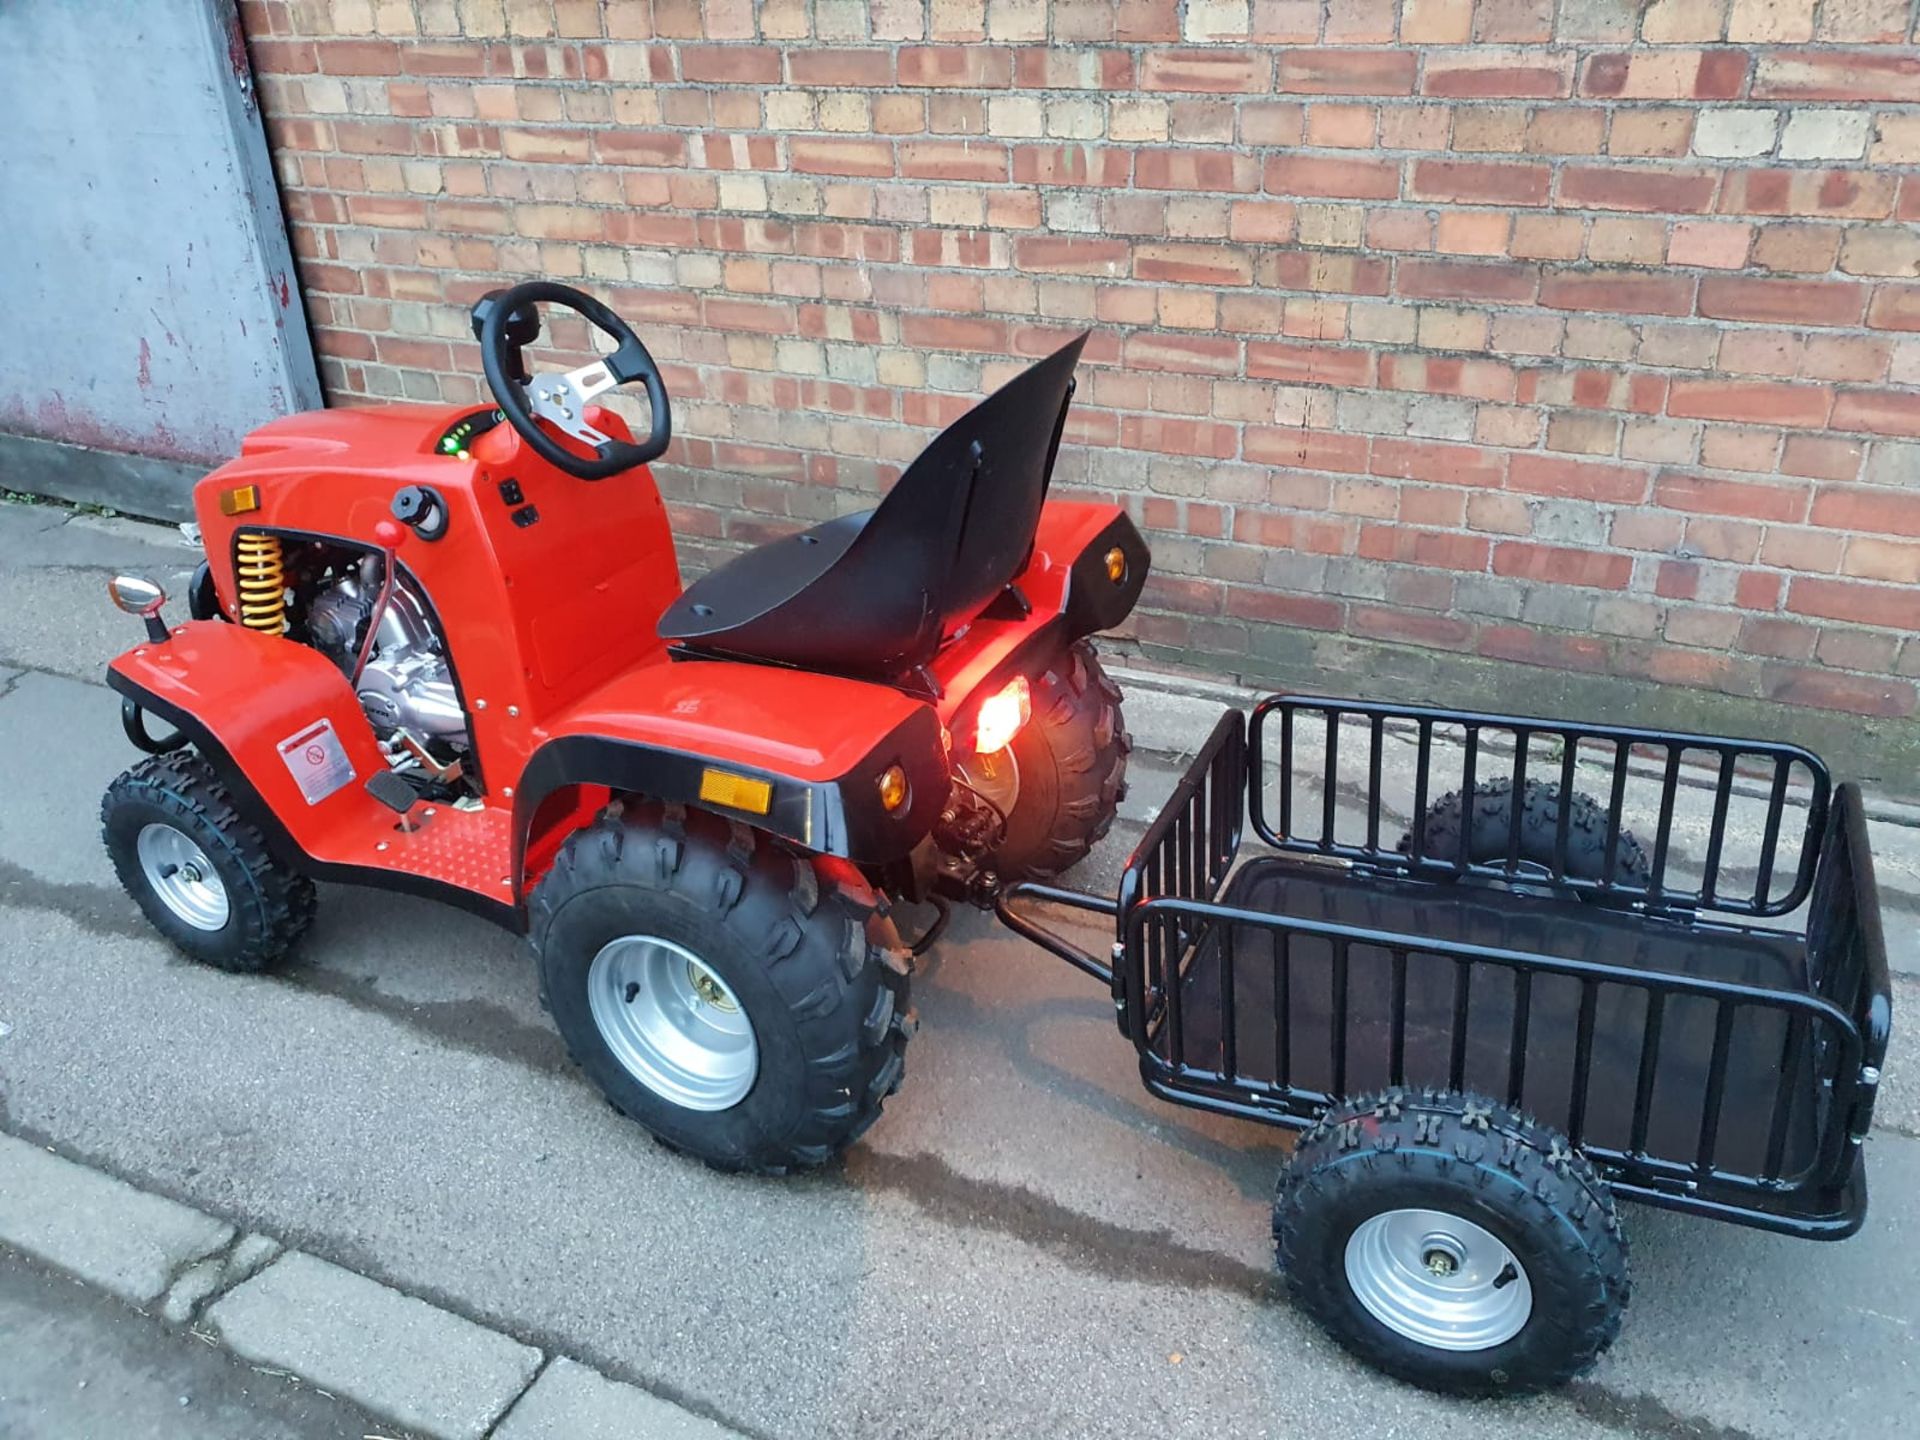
(1439, 1280)
(672, 1023)
(179, 872)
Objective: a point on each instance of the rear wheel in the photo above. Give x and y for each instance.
(1061, 781)
(1452, 1242)
(1486, 826)
(203, 875)
(718, 991)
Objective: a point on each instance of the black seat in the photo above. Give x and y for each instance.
(876, 593)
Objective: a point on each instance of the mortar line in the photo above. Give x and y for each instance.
(547, 1359)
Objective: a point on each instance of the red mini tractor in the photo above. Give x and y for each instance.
(445, 650)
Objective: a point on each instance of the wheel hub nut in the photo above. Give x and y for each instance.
(708, 988)
(1439, 1262)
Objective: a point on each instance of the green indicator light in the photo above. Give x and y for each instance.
(450, 445)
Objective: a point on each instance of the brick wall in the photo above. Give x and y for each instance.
(1433, 340)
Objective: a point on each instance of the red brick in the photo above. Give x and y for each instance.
(1303, 449)
(1794, 302)
(953, 160)
(1222, 71)
(972, 67)
(1622, 187)
(1325, 273)
(640, 147)
(1562, 565)
(357, 57)
(1895, 307)
(1855, 75)
(1309, 364)
(1879, 412)
(1437, 549)
(1311, 70)
(1856, 194)
(1348, 179)
(1622, 292)
(1193, 354)
(1530, 646)
(1854, 601)
(1451, 280)
(1196, 170)
(1079, 166)
(730, 64)
(1677, 580)
(1447, 375)
(1750, 400)
(953, 332)
(1438, 464)
(1193, 264)
(841, 157)
(1468, 182)
(1072, 254)
(1274, 607)
(1195, 438)
(1413, 627)
(1524, 77)
(814, 65)
(1875, 511)
(1821, 457)
(1666, 74)
(1708, 495)
(1576, 479)
(1828, 690)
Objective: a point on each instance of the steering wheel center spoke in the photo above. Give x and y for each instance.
(506, 321)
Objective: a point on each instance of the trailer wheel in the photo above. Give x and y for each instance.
(1452, 1242)
(1061, 781)
(203, 875)
(718, 991)
(1491, 827)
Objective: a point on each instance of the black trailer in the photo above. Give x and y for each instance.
(1572, 976)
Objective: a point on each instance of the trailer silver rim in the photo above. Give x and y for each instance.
(673, 1024)
(1438, 1279)
(179, 872)
(994, 778)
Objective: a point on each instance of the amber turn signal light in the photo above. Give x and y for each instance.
(893, 788)
(1116, 565)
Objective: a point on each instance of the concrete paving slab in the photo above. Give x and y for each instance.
(433, 1371)
(573, 1402)
(96, 1227)
(77, 1364)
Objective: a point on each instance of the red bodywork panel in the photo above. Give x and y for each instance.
(550, 630)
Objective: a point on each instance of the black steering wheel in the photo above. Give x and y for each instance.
(505, 320)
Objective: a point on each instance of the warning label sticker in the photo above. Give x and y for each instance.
(317, 761)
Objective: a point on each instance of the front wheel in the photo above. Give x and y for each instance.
(1061, 781)
(205, 876)
(1452, 1242)
(719, 991)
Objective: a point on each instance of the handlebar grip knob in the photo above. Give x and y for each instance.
(421, 507)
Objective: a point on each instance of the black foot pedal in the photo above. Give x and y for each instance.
(393, 792)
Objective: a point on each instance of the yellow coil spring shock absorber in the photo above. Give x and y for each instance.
(262, 579)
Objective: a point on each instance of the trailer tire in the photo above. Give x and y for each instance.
(1388, 1190)
(1539, 819)
(1071, 759)
(167, 819)
(817, 975)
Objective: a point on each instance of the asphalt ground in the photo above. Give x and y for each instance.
(1027, 1243)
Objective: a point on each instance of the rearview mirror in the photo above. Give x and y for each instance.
(136, 595)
